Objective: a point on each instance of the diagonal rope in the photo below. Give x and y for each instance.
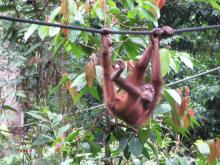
(192, 77)
(167, 85)
(100, 31)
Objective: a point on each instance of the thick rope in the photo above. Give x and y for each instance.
(167, 85)
(100, 31)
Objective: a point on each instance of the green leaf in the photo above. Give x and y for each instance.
(73, 35)
(174, 94)
(80, 94)
(154, 149)
(35, 115)
(48, 137)
(99, 74)
(94, 93)
(20, 94)
(85, 146)
(111, 3)
(77, 50)
(54, 13)
(5, 8)
(56, 118)
(146, 153)
(138, 40)
(123, 143)
(79, 82)
(72, 7)
(126, 153)
(100, 14)
(203, 147)
(165, 61)
(135, 146)
(7, 107)
(114, 10)
(73, 135)
(174, 64)
(85, 37)
(45, 126)
(32, 49)
(147, 15)
(144, 134)
(132, 14)
(30, 31)
(149, 5)
(95, 148)
(131, 49)
(43, 31)
(185, 58)
(159, 137)
(54, 89)
(63, 129)
(53, 31)
(162, 108)
(130, 4)
(215, 4)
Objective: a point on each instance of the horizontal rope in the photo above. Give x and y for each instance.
(100, 31)
(167, 85)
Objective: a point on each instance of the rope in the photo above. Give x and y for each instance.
(100, 31)
(167, 85)
(192, 77)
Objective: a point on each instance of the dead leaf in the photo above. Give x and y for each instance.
(87, 7)
(90, 73)
(64, 8)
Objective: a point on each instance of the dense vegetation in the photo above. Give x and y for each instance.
(59, 87)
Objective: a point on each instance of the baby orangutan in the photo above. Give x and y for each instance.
(138, 100)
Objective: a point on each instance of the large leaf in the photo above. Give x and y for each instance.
(162, 108)
(185, 58)
(135, 146)
(131, 49)
(73, 35)
(85, 146)
(99, 74)
(36, 115)
(114, 10)
(170, 96)
(77, 50)
(72, 7)
(79, 82)
(130, 4)
(30, 31)
(174, 94)
(165, 61)
(123, 143)
(144, 13)
(203, 147)
(53, 31)
(63, 129)
(43, 31)
(94, 93)
(152, 8)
